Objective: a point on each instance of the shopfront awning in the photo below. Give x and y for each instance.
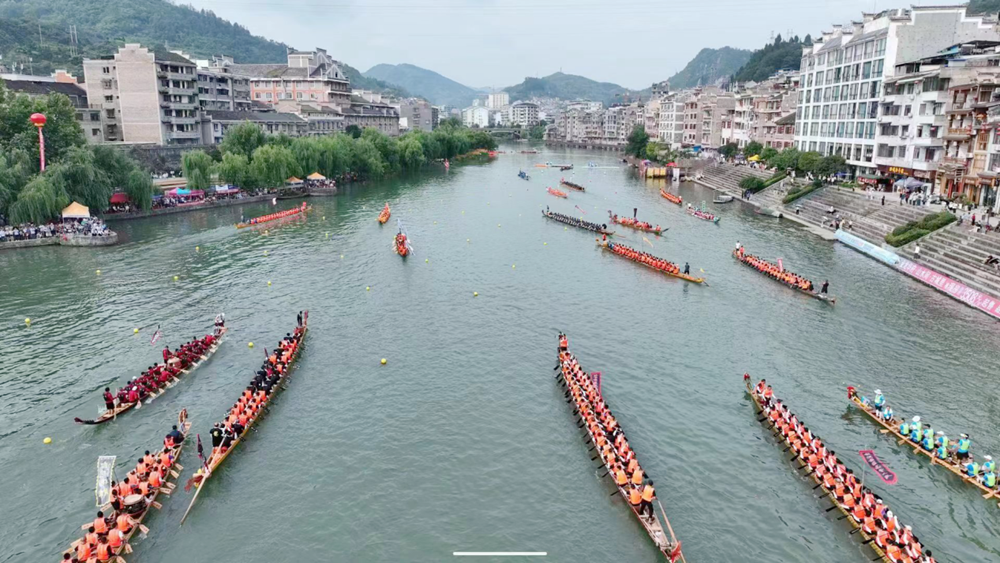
(316, 176)
(120, 197)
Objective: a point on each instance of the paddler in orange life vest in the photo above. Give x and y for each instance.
(563, 343)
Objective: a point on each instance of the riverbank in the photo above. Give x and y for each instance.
(310, 192)
(73, 239)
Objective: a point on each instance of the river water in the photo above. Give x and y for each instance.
(462, 441)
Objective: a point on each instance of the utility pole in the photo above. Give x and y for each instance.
(40, 44)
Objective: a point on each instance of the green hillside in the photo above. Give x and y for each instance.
(103, 25)
(984, 6)
(425, 83)
(569, 87)
(709, 66)
(780, 55)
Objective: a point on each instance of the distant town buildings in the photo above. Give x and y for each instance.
(499, 100)
(523, 114)
(91, 119)
(418, 114)
(168, 98)
(476, 116)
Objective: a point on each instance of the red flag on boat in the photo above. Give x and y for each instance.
(156, 336)
(595, 377)
(879, 468)
(781, 267)
(581, 211)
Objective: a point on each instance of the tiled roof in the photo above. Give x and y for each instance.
(786, 120)
(867, 36)
(33, 88)
(265, 117)
(167, 56)
(832, 44)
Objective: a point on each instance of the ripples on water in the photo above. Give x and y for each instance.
(463, 440)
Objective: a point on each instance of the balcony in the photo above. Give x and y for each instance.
(958, 133)
(184, 134)
(178, 120)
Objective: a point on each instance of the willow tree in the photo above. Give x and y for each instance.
(243, 139)
(39, 201)
(139, 188)
(197, 167)
(272, 165)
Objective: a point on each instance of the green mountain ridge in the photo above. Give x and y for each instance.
(103, 25)
(779, 55)
(434, 87)
(710, 66)
(569, 87)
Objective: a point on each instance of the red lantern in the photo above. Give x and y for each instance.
(39, 121)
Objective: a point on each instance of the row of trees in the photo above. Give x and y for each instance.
(251, 160)
(74, 171)
(809, 162)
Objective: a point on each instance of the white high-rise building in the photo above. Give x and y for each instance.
(498, 100)
(842, 74)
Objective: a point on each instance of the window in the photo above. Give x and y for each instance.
(827, 93)
(829, 76)
(814, 129)
(95, 132)
(812, 146)
(819, 78)
(109, 99)
(849, 130)
(809, 95)
(862, 108)
(106, 84)
(869, 49)
(877, 68)
(868, 153)
(836, 93)
(866, 73)
(822, 148)
(267, 95)
(840, 129)
(826, 112)
(815, 114)
(257, 95)
(880, 47)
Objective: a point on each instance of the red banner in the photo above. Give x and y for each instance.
(879, 468)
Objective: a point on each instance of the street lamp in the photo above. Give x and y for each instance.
(38, 120)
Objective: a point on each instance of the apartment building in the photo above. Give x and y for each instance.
(775, 103)
(417, 113)
(670, 130)
(476, 116)
(146, 96)
(270, 122)
(843, 71)
(524, 114)
(499, 100)
(651, 117)
(219, 88)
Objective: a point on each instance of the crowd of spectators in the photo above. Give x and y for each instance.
(30, 231)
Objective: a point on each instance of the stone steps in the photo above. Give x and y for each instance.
(941, 264)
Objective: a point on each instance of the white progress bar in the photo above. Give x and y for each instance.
(500, 553)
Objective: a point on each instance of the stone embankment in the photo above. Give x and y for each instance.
(63, 240)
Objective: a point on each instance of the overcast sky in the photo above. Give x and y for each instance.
(499, 42)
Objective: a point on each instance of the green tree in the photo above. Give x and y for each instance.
(367, 160)
(62, 131)
(786, 159)
(235, 170)
(243, 139)
(77, 176)
(809, 162)
(653, 150)
(411, 153)
(729, 150)
(831, 165)
(752, 184)
(768, 153)
(14, 174)
(40, 200)
(353, 131)
(272, 165)
(450, 123)
(753, 148)
(197, 167)
(637, 141)
(537, 132)
(139, 188)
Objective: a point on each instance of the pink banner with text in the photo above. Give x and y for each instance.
(958, 290)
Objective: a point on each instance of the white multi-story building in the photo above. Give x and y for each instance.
(670, 130)
(476, 116)
(498, 100)
(584, 105)
(842, 74)
(524, 114)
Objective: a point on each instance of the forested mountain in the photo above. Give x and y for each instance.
(103, 25)
(779, 55)
(984, 6)
(709, 66)
(425, 83)
(569, 87)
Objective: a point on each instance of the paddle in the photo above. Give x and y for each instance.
(831, 508)
(817, 486)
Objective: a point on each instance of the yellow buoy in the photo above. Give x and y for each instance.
(513, 266)
(475, 294)
(498, 224)
(368, 288)
(135, 331)
(27, 321)
(426, 260)
(249, 344)
(564, 228)
(269, 283)
(341, 256)
(98, 272)
(47, 440)
(468, 240)
(383, 361)
(545, 243)
(265, 253)
(197, 249)
(176, 278)
(324, 217)
(435, 222)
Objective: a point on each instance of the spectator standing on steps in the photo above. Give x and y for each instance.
(916, 251)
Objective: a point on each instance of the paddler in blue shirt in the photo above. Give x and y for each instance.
(879, 400)
(887, 414)
(928, 440)
(972, 469)
(989, 465)
(989, 478)
(904, 428)
(962, 449)
(916, 429)
(942, 446)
